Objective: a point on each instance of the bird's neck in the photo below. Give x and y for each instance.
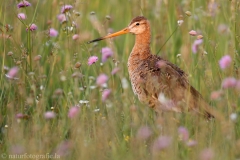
(141, 49)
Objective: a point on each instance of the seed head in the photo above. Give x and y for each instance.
(188, 13)
(77, 65)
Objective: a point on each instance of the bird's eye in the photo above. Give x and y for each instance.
(137, 24)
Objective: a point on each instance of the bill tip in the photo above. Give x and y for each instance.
(95, 40)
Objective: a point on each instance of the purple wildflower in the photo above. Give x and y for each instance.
(223, 28)
(191, 143)
(144, 133)
(92, 60)
(106, 53)
(12, 73)
(33, 27)
(66, 8)
(215, 95)
(22, 16)
(58, 92)
(22, 116)
(63, 149)
(105, 94)
(238, 85)
(49, 115)
(225, 61)
(75, 36)
(101, 79)
(183, 133)
(115, 70)
(212, 6)
(19, 116)
(161, 143)
(53, 32)
(229, 82)
(207, 154)
(23, 3)
(192, 33)
(73, 111)
(62, 18)
(196, 44)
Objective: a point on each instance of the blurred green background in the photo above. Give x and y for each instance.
(110, 129)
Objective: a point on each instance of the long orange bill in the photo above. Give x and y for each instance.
(124, 31)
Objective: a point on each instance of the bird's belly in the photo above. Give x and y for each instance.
(141, 87)
(135, 82)
(139, 80)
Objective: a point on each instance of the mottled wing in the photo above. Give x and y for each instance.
(167, 87)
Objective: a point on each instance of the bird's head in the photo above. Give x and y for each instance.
(137, 26)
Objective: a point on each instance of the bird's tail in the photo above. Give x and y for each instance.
(203, 107)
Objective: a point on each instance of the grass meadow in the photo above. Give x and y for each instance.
(53, 105)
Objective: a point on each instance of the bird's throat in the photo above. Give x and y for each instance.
(141, 49)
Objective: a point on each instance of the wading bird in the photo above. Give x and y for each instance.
(158, 82)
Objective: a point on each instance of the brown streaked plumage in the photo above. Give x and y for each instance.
(158, 82)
